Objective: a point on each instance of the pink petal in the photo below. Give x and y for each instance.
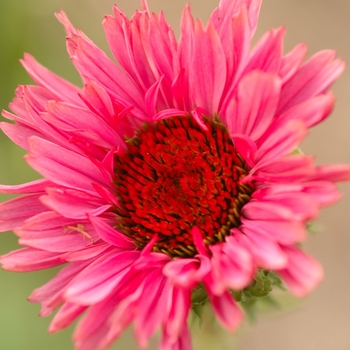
(64, 90)
(313, 78)
(292, 61)
(94, 327)
(97, 281)
(231, 267)
(283, 231)
(35, 186)
(333, 173)
(94, 64)
(312, 111)
(62, 166)
(183, 342)
(110, 235)
(228, 9)
(227, 311)
(51, 232)
(280, 140)
(265, 250)
(180, 304)
(208, 70)
(27, 259)
(15, 211)
(187, 272)
(245, 147)
(74, 204)
(185, 54)
(67, 314)
(19, 133)
(267, 53)
(257, 99)
(302, 273)
(151, 311)
(70, 118)
(255, 210)
(88, 252)
(50, 295)
(287, 169)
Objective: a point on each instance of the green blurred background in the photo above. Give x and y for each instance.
(321, 321)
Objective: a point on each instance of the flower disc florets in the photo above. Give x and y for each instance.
(175, 176)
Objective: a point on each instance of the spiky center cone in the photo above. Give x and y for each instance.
(175, 176)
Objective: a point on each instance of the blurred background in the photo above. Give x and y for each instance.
(318, 322)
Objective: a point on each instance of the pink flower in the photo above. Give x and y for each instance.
(170, 173)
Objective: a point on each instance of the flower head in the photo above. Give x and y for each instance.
(171, 177)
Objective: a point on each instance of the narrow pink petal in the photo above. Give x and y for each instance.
(324, 192)
(255, 210)
(292, 61)
(236, 45)
(231, 267)
(280, 140)
(107, 195)
(185, 54)
(94, 327)
(266, 251)
(208, 70)
(151, 312)
(313, 78)
(67, 314)
(94, 64)
(151, 260)
(311, 111)
(283, 231)
(70, 118)
(257, 99)
(51, 232)
(183, 342)
(290, 168)
(110, 235)
(163, 47)
(227, 311)
(15, 211)
(122, 316)
(228, 9)
(88, 252)
(302, 273)
(98, 280)
(62, 166)
(35, 186)
(187, 272)
(168, 113)
(304, 208)
(334, 173)
(74, 204)
(234, 31)
(27, 259)
(50, 295)
(267, 53)
(121, 40)
(62, 17)
(180, 304)
(19, 133)
(97, 100)
(151, 97)
(198, 242)
(245, 147)
(64, 90)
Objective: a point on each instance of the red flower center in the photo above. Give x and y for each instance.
(175, 176)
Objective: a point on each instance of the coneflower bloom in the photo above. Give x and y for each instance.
(169, 172)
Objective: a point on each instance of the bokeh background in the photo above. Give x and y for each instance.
(319, 322)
